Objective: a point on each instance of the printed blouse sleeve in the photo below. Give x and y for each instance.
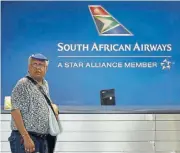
(19, 97)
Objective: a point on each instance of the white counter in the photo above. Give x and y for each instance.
(112, 133)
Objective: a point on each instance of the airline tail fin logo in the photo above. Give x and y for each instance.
(106, 24)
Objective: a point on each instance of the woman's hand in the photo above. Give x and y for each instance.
(29, 144)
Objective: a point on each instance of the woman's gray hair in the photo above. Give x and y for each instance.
(30, 58)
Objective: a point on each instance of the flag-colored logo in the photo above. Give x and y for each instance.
(106, 24)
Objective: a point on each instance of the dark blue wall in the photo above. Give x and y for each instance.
(31, 27)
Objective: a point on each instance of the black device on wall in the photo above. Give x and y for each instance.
(107, 97)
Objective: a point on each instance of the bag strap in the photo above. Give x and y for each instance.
(42, 91)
